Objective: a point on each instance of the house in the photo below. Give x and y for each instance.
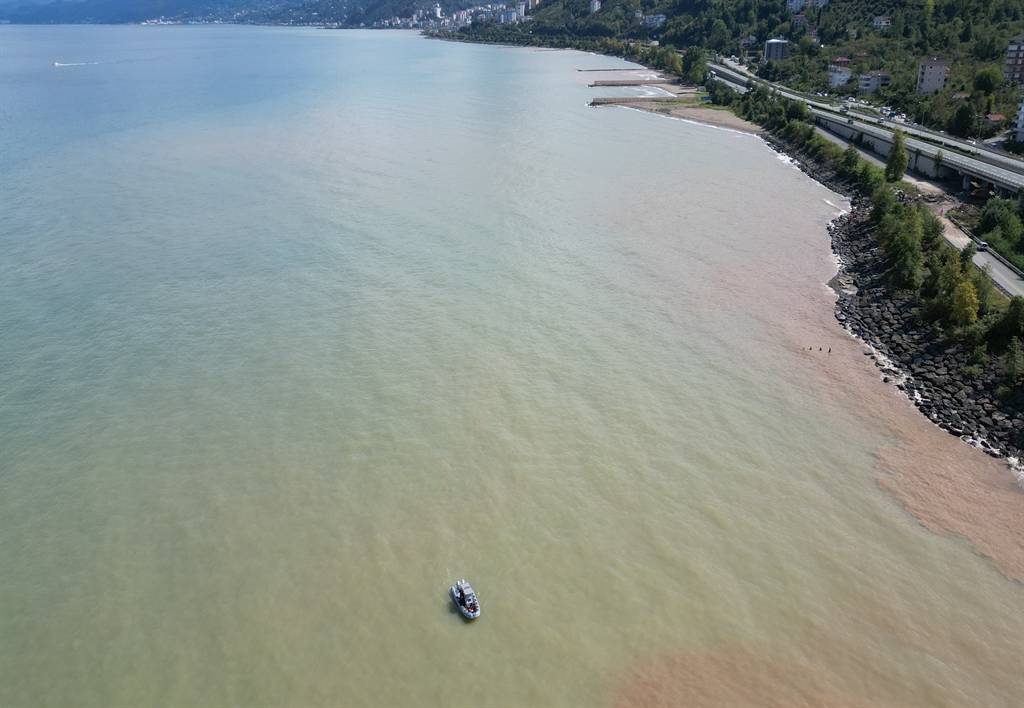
(838, 75)
(1013, 69)
(881, 22)
(994, 120)
(748, 41)
(776, 49)
(595, 6)
(1019, 128)
(654, 21)
(932, 75)
(840, 61)
(799, 20)
(872, 81)
(795, 5)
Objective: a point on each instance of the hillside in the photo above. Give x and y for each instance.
(971, 36)
(344, 12)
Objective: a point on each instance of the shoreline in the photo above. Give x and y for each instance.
(906, 352)
(973, 490)
(930, 480)
(698, 114)
(926, 473)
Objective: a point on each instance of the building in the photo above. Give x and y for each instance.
(841, 61)
(521, 9)
(595, 6)
(881, 22)
(932, 75)
(654, 21)
(795, 5)
(872, 81)
(1013, 70)
(748, 42)
(776, 49)
(799, 20)
(820, 3)
(838, 75)
(994, 120)
(1019, 129)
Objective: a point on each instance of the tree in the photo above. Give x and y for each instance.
(1013, 362)
(964, 122)
(884, 202)
(987, 80)
(901, 239)
(1010, 325)
(897, 162)
(851, 161)
(694, 65)
(965, 303)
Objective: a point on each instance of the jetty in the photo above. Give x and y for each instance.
(630, 82)
(625, 100)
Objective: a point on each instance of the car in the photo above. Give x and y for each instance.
(981, 246)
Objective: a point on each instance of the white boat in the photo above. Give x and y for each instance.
(465, 599)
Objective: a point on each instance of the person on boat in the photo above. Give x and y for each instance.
(462, 596)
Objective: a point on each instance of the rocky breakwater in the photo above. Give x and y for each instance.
(940, 376)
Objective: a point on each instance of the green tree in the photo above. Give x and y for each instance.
(987, 80)
(1010, 325)
(884, 202)
(901, 239)
(850, 162)
(964, 121)
(1013, 362)
(896, 165)
(965, 303)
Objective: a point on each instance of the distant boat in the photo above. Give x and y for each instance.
(465, 599)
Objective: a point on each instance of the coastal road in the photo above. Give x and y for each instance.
(978, 151)
(1009, 178)
(1005, 277)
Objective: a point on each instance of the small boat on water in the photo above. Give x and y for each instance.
(465, 599)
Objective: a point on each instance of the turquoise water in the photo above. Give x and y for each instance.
(300, 326)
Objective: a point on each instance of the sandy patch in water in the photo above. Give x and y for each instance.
(948, 485)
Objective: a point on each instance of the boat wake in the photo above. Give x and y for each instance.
(59, 65)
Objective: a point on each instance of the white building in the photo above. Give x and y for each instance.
(881, 22)
(872, 81)
(1013, 70)
(437, 11)
(1019, 128)
(521, 9)
(595, 6)
(838, 75)
(932, 75)
(775, 49)
(654, 21)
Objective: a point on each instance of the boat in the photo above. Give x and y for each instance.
(465, 599)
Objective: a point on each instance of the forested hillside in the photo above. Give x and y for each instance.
(970, 34)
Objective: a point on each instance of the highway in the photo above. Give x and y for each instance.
(1005, 277)
(979, 152)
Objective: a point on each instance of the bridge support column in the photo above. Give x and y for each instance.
(966, 184)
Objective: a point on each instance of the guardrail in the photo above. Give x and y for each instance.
(987, 249)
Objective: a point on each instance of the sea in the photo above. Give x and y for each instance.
(300, 326)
